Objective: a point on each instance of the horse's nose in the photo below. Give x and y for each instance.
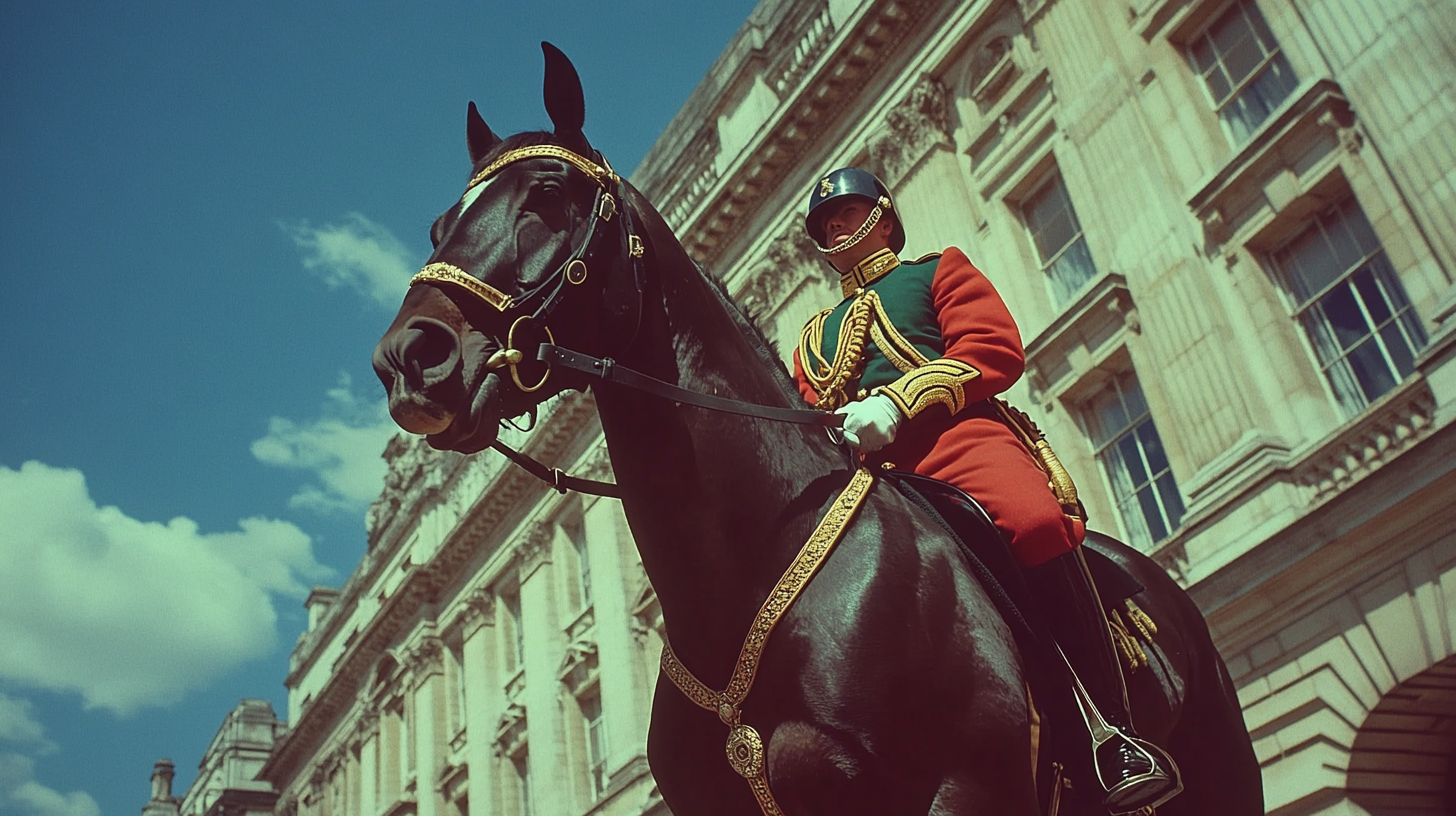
(422, 353)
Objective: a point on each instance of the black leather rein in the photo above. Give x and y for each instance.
(607, 370)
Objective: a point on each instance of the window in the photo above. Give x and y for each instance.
(1132, 456)
(1057, 236)
(1354, 310)
(519, 763)
(596, 741)
(575, 529)
(516, 638)
(455, 680)
(1243, 69)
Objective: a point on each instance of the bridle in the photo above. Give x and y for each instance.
(537, 306)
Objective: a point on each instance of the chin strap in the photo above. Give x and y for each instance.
(881, 206)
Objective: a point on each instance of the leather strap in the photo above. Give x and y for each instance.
(607, 370)
(559, 480)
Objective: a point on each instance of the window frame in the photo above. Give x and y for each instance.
(1048, 178)
(1404, 317)
(1102, 454)
(1191, 41)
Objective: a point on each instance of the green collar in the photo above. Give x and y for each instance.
(868, 271)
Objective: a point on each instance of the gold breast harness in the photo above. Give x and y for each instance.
(745, 746)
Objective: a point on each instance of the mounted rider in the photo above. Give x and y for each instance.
(913, 357)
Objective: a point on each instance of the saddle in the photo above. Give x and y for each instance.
(1063, 742)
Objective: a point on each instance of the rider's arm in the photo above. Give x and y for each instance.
(983, 354)
(807, 391)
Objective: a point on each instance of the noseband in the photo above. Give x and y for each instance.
(537, 305)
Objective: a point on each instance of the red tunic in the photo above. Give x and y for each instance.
(973, 449)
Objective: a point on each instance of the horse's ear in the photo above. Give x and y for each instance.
(478, 135)
(564, 101)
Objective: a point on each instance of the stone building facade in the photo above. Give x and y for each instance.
(1227, 230)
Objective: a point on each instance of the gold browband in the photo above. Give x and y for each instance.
(745, 746)
(455, 276)
(601, 175)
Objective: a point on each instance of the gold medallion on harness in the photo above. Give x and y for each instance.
(745, 751)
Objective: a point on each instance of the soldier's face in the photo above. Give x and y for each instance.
(844, 219)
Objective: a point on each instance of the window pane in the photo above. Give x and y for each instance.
(1201, 55)
(1218, 85)
(1344, 317)
(1152, 446)
(1398, 349)
(1070, 271)
(1371, 370)
(1172, 501)
(1242, 58)
(1371, 296)
(1152, 515)
(1342, 240)
(1132, 461)
(1311, 263)
(1229, 29)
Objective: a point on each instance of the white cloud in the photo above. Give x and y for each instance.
(20, 793)
(343, 447)
(132, 613)
(18, 726)
(357, 253)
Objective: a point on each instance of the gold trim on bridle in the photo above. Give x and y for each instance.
(745, 746)
(601, 175)
(457, 277)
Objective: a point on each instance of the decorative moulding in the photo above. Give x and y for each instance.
(1061, 357)
(1277, 167)
(919, 122)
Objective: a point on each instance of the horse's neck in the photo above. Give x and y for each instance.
(706, 492)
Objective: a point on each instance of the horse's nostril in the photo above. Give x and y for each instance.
(428, 352)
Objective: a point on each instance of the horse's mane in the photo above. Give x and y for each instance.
(762, 344)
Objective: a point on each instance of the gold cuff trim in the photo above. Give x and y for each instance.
(938, 381)
(868, 271)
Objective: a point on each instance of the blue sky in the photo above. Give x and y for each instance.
(210, 211)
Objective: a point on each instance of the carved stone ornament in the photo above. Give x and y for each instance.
(510, 731)
(791, 257)
(917, 124)
(993, 68)
(579, 665)
(597, 466)
(534, 547)
(479, 609)
(426, 658)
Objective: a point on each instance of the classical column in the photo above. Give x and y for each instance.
(368, 762)
(428, 678)
(545, 643)
(485, 699)
(623, 680)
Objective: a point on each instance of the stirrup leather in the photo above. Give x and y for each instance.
(1145, 790)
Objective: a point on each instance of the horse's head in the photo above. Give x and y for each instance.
(541, 248)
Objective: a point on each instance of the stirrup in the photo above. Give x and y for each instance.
(1146, 790)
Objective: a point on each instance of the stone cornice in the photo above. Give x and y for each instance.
(803, 114)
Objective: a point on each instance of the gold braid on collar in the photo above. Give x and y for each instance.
(868, 271)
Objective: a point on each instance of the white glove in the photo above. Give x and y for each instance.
(871, 423)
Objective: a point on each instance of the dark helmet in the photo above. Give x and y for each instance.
(850, 181)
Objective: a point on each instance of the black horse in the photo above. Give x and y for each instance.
(893, 686)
